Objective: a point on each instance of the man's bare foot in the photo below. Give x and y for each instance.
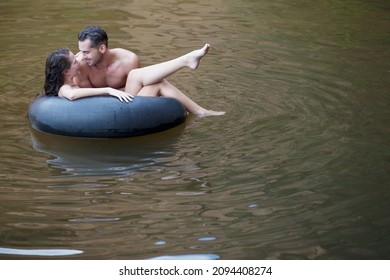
(194, 57)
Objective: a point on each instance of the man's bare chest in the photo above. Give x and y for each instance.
(107, 78)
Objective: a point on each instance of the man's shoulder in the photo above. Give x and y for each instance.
(126, 57)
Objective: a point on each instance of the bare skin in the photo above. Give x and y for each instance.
(119, 68)
(70, 91)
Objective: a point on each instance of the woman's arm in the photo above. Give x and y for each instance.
(72, 93)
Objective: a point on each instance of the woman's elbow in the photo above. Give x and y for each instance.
(69, 96)
(72, 97)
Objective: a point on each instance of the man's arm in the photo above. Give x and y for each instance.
(130, 61)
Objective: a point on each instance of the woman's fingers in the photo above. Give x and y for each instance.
(121, 95)
(126, 97)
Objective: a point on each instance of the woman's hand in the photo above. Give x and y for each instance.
(121, 95)
(79, 56)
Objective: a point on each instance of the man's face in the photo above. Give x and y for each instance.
(91, 56)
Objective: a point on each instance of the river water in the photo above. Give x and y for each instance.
(298, 168)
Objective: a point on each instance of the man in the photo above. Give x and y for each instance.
(104, 67)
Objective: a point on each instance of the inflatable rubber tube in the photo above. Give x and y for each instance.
(105, 116)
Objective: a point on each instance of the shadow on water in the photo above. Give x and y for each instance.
(101, 157)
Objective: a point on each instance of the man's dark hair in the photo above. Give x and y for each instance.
(95, 34)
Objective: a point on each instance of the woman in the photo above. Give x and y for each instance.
(62, 67)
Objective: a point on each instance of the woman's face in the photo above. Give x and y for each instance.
(74, 66)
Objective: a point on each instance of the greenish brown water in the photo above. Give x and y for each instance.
(298, 168)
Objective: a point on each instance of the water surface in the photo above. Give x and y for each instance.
(298, 168)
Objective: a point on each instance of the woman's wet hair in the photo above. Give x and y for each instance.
(56, 64)
(95, 34)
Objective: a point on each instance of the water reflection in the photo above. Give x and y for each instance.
(188, 257)
(40, 252)
(100, 157)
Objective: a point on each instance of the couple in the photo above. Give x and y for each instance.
(98, 70)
